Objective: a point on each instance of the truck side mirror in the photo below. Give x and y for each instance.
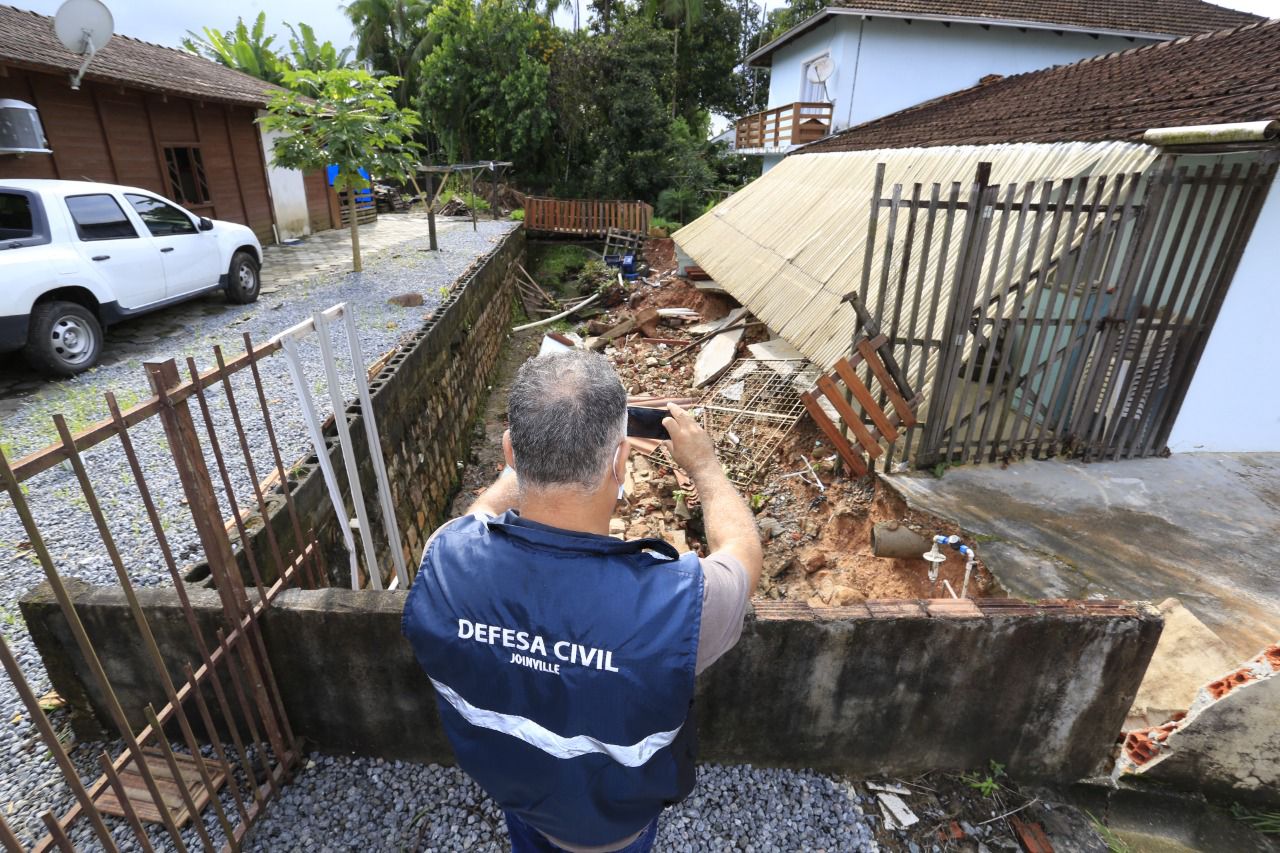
(206, 224)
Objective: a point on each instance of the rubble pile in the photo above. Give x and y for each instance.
(669, 339)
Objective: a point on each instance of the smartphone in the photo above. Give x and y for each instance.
(646, 423)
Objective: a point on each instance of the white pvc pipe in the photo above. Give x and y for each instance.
(348, 453)
(301, 330)
(560, 316)
(389, 524)
(289, 347)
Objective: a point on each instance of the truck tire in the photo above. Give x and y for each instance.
(63, 339)
(244, 280)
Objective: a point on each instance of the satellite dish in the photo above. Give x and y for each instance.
(820, 70)
(83, 27)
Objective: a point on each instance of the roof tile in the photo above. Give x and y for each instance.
(27, 39)
(1213, 78)
(1166, 17)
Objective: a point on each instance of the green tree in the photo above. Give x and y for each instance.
(345, 117)
(242, 48)
(392, 36)
(785, 17)
(306, 53)
(483, 88)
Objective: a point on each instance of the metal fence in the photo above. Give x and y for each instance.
(1056, 316)
(202, 768)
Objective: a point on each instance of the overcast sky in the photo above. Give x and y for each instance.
(167, 21)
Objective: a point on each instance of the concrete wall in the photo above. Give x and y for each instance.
(1225, 409)
(288, 194)
(888, 686)
(884, 64)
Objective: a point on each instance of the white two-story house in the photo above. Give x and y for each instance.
(858, 60)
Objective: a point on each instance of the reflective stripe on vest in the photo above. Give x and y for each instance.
(548, 741)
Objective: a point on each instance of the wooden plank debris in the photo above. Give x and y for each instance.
(140, 798)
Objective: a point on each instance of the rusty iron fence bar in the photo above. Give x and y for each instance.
(156, 779)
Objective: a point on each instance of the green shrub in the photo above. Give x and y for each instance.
(472, 200)
(518, 215)
(679, 203)
(665, 224)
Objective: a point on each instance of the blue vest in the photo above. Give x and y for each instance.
(563, 665)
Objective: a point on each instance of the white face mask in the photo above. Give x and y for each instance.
(613, 468)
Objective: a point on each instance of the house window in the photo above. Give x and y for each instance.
(811, 92)
(186, 176)
(99, 217)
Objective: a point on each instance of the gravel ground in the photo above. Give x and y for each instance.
(29, 781)
(366, 804)
(334, 803)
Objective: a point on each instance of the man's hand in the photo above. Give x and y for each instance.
(730, 526)
(690, 446)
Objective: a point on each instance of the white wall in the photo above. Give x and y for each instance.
(288, 195)
(1231, 405)
(896, 64)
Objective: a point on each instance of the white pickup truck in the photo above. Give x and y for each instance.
(76, 257)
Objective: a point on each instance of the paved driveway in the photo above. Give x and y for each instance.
(286, 269)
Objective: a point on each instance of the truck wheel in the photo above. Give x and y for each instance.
(63, 339)
(243, 280)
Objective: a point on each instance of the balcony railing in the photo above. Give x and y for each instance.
(780, 127)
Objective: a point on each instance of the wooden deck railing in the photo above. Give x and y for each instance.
(586, 217)
(790, 124)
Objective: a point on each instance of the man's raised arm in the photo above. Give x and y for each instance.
(730, 525)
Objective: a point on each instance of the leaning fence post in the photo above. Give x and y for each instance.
(202, 501)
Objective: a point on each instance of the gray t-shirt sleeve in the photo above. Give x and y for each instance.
(724, 605)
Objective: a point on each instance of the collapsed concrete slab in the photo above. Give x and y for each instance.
(1188, 656)
(1227, 745)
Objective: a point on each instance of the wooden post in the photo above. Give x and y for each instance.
(431, 211)
(493, 194)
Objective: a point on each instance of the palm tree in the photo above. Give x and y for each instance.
(244, 49)
(391, 36)
(306, 53)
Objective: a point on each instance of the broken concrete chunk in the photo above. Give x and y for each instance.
(716, 356)
(895, 811)
(769, 527)
(776, 350)
(617, 526)
(677, 539)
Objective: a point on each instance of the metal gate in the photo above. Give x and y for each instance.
(199, 771)
(1062, 316)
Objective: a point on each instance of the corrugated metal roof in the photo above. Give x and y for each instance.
(792, 243)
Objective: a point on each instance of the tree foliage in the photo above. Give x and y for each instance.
(343, 117)
(249, 49)
(484, 86)
(243, 48)
(392, 37)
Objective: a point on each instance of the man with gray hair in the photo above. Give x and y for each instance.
(563, 659)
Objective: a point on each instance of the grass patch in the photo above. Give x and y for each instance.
(558, 265)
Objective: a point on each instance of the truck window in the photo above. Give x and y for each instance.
(15, 217)
(22, 221)
(161, 219)
(99, 217)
